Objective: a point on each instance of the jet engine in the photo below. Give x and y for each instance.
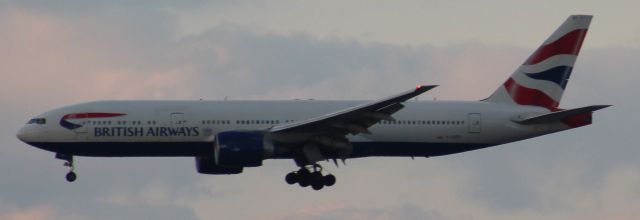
(241, 148)
(234, 150)
(207, 165)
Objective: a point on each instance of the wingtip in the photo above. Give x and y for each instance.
(580, 15)
(425, 87)
(599, 107)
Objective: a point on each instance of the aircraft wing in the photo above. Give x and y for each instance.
(329, 131)
(361, 116)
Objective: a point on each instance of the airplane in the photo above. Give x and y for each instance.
(227, 136)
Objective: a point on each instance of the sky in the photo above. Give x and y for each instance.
(65, 52)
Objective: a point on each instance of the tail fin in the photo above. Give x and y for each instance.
(542, 78)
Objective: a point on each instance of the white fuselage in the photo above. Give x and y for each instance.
(188, 128)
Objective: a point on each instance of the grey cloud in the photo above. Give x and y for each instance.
(405, 211)
(262, 63)
(78, 7)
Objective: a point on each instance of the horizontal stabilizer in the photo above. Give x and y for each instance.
(559, 115)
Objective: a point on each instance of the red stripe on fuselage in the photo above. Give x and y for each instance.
(92, 115)
(570, 43)
(528, 96)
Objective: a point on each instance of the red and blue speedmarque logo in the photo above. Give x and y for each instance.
(69, 125)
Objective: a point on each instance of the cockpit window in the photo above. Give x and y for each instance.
(39, 121)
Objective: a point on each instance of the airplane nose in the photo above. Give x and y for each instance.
(23, 135)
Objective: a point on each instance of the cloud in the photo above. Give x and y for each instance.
(238, 62)
(82, 60)
(42, 212)
(234, 61)
(36, 213)
(336, 211)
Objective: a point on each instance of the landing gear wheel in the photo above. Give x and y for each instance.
(304, 183)
(71, 176)
(316, 180)
(310, 175)
(292, 178)
(304, 179)
(317, 186)
(329, 180)
(316, 176)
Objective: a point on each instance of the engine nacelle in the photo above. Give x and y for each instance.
(241, 148)
(207, 165)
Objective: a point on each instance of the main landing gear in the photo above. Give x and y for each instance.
(314, 178)
(71, 176)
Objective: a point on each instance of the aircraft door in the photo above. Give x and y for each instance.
(475, 122)
(177, 119)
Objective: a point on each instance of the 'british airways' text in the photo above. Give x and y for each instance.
(146, 132)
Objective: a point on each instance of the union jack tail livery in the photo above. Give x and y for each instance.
(542, 78)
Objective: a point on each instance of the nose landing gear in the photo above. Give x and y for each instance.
(314, 178)
(71, 176)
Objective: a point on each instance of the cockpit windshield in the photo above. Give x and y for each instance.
(39, 121)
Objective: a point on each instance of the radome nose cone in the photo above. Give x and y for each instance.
(22, 135)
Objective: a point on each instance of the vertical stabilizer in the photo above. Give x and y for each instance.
(542, 78)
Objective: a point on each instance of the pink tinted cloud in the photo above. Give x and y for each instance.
(43, 212)
(37, 213)
(51, 60)
(473, 71)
